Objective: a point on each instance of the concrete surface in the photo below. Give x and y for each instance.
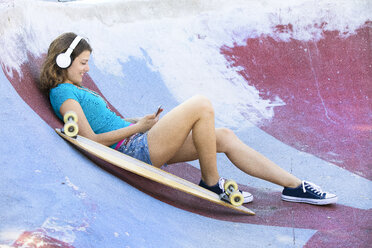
(292, 78)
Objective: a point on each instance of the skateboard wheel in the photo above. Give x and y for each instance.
(236, 198)
(230, 186)
(71, 128)
(70, 116)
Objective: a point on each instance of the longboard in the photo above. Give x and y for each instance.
(145, 170)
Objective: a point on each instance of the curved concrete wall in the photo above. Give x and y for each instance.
(292, 79)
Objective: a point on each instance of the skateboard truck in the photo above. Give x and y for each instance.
(232, 194)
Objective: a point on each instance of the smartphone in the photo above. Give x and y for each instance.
(158, 111)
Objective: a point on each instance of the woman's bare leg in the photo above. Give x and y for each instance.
(254, 163)
(169, 134)
(243, 157)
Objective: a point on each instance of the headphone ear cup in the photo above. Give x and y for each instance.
(63, 60)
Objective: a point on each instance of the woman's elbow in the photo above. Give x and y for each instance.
(90, 135)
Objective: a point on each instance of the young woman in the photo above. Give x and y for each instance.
(186, 133)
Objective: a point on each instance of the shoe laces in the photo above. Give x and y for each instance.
(221, 184)
(312, 187)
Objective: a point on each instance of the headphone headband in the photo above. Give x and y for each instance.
(74, 43)
(63, 60)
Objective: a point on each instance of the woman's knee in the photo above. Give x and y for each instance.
(202, 104)
(224, 137)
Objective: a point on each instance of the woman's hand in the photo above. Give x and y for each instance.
(147, 122)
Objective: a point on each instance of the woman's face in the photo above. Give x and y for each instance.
(78, 68)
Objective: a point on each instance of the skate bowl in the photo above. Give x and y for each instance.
(292, 79)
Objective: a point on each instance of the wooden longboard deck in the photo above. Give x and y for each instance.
(145, 170)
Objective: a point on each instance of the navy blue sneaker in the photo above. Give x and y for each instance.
(219, 189)
(310, 193)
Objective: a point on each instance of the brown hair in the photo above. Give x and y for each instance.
(51, 74)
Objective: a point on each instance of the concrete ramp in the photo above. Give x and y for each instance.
(292, 79)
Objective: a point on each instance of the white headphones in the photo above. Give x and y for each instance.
(64, 59)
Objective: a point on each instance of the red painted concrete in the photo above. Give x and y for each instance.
(327, 89)
(38, 239)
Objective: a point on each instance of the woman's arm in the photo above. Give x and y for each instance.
(109, 138)
(132, 120)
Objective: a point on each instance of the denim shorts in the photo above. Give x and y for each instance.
(137, 147)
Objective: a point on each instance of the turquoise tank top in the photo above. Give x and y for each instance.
(100, 117)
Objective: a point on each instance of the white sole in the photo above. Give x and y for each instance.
(310, 201)
(248, 199)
